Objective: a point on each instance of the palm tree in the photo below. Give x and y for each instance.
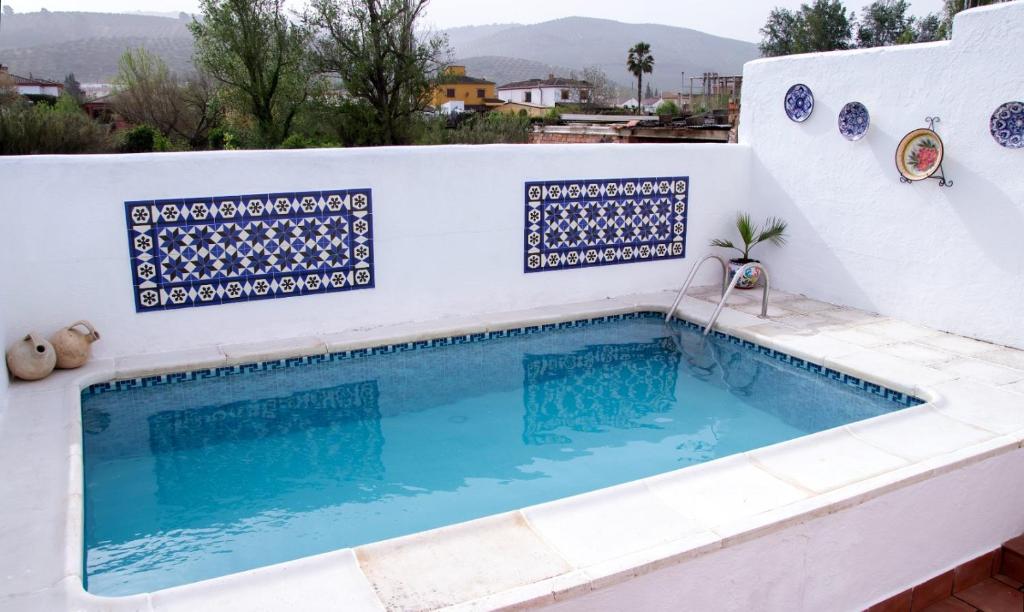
(773, 231)
(640, 62)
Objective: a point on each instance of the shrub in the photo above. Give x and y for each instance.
(297, 141)
(668, 107)
(31, 129)
(143, 139)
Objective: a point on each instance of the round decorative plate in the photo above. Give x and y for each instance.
(919, 154)
(854, 120)
(799, 103)
(1007, 125)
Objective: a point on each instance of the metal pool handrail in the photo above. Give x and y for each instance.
(735, 279)
(727, 288)
(689, 281)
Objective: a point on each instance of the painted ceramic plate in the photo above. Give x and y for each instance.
(1007, 125)
(799, 103)
(854, 120)
(919, 154)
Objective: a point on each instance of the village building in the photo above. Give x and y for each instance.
(548, 92)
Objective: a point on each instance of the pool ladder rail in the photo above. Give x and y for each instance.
(727, 287)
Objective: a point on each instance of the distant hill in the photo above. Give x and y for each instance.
(52, 44)
(503, 70)
(581, 41)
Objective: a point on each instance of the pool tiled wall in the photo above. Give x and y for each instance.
(218, 250)
(597, 222)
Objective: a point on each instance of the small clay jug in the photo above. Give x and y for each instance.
(31, 358)
(72, 345)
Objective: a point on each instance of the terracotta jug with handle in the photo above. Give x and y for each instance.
(73, 345)
(31, 358)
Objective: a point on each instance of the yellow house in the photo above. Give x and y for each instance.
(455, 86)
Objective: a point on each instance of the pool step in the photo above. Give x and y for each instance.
(993, 582)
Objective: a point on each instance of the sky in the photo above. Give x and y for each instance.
(730, 18)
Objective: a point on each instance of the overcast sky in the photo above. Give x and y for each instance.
(731, 18)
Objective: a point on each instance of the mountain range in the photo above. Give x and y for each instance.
(52, 44)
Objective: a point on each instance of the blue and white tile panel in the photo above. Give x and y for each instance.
(219, 250)
(598, 222)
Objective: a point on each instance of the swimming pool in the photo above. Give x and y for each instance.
(196, 475)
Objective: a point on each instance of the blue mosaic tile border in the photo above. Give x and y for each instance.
(219, 250)
(898, 397)
(598, 222)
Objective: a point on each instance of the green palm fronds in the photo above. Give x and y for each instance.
(773, 231)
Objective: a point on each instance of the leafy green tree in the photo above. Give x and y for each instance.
(143, 139)
(828, 27)
(640, 62)
(261, 59)
(824, 25)
(668, 107)
(374, 49)
(73, 88)
(147, 92)
(928, 29)
(885, 22)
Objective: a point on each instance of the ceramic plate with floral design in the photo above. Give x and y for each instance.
(799, 103)
(919, 154)
(1007, 125)
(854, 120)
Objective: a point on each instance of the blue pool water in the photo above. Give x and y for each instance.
(193, 476)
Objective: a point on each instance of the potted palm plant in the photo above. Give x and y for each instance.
(773, 231)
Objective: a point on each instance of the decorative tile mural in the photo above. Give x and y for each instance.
(218, 250)
(592, 222)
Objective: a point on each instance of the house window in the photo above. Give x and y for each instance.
(565, 94)
(528, 96)
(584, 95)
(451, 92)
(480, 93)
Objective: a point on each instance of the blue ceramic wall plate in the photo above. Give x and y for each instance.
(799, 103)
(1007, 125)
(854, 120)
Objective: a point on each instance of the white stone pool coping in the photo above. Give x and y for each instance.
(561, 549)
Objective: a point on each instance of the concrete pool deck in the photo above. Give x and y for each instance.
(565, 550)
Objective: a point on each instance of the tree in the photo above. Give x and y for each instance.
(73, 88)
(373, 48)
(148, 93)
(640, 62)
(929, 29)
(602, 91)
(8, 10)
(885, 22)
(824, 25)
(668, 107)
(260, 57)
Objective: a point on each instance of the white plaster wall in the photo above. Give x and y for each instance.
(448, 233)
(951, 258)
(843, 561)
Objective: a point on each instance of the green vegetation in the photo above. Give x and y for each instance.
(640, 62)
(143, 139)
(30, 129)
(261, 60)
(773, 231)
(825, 25)
(475, 129)
(668, 107)
(373, 48)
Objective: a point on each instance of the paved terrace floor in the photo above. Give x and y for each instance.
(546, 553)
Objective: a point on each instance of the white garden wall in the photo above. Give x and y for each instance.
(448, 234)
(951, 258)
(847, 560)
